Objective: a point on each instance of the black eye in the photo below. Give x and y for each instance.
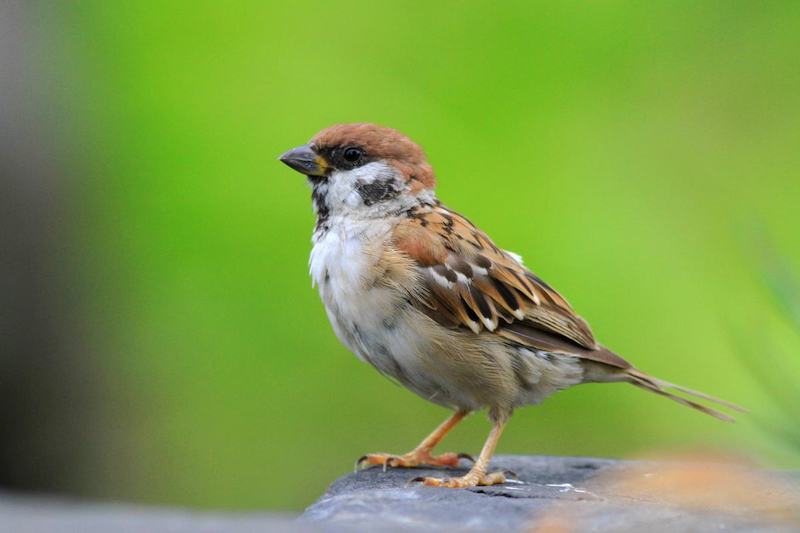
(352, 154)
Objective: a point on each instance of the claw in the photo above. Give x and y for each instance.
(411, 459)
(358, 462)
(466, 456)
(511, 473)
(418, 479)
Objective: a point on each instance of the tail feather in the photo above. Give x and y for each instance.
(658, 386)
(703, 396)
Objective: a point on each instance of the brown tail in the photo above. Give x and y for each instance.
(658, 386)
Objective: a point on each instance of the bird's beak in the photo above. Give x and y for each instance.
(306, 161)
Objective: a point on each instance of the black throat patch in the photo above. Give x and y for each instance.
(319, 191)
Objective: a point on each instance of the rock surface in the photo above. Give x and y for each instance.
(554, 494)
(568, 494)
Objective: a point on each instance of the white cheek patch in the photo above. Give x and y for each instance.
(363, 174)
(344, 184)
(353, 199)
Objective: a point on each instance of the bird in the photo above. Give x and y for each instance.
(416, 290)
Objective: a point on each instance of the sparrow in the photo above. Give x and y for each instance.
(420, 293)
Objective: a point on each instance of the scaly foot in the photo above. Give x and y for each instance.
(471, 479)
(412, 459)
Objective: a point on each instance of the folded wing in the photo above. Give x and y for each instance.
(471, 283)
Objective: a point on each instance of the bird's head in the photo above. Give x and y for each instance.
(363, 169)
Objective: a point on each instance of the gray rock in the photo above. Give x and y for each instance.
(567, 494)
(553, 494)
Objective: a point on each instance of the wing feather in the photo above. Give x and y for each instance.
(472, 283)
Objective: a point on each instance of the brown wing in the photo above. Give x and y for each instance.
(472, 283)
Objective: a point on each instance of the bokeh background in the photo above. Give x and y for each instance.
(161, 341)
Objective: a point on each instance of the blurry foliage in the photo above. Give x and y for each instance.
(774, 357)
(615, 145)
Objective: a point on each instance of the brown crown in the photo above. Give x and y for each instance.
(383, 144)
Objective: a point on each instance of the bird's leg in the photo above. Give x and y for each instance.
(477, 474)
(421, 455)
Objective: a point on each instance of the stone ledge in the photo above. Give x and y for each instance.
(561, 494)
(568, 494)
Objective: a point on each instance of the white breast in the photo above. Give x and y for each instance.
(341, 265)
(374, 322)
(341, 259)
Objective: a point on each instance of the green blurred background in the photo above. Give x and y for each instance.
(641, 156)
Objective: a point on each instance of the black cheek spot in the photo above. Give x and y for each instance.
(377, 191)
